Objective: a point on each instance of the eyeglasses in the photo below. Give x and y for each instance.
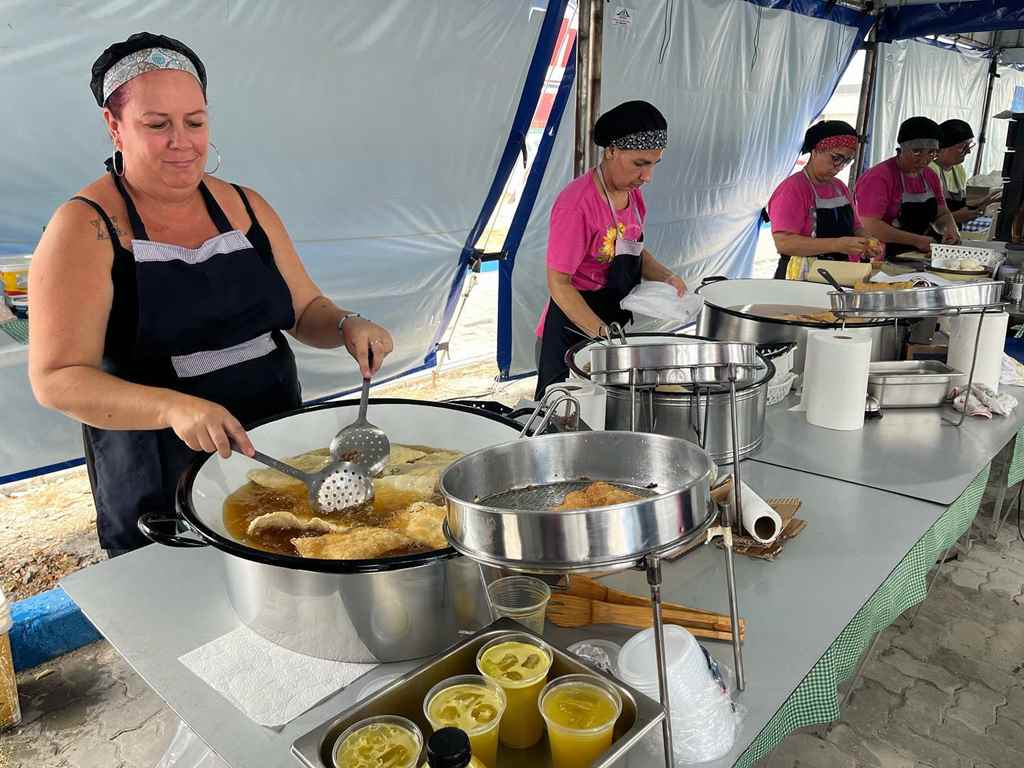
(839, 161)
(931, 153)
(966, 147)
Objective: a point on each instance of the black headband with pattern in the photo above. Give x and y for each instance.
(642, 140)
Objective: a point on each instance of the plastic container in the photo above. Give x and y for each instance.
(566, 704)
(411, 734)
(779, 387)
(520, 598)
(10, 709)
(521, 725)
(483, 735)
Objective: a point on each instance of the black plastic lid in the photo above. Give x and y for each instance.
(448, 748)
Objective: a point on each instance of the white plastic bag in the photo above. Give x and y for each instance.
(189, 751)
(660, 300)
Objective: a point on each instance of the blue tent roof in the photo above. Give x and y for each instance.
(907, 21)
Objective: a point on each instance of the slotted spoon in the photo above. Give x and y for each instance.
(339, 486)
(362, 442)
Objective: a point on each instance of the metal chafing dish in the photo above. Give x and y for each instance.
(929, 301)
(748, 309)
(348, 610)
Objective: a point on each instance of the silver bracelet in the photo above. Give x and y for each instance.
(345, 317)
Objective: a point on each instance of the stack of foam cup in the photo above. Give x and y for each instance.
(703, 719)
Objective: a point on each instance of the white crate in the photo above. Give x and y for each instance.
(951, 256)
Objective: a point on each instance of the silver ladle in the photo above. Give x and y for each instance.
(339, 486)
(362, 442)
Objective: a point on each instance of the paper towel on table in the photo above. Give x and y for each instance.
(836, 379)
(962, 333)
(269, 684)
(759, 520)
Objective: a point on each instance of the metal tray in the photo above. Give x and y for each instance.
(404, 697)
(636, 363)
(912, 383)
(932, 301)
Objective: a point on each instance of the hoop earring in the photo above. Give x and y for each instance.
(216, 167)
(117, 161)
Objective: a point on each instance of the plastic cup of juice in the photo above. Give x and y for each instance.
(387, 741)
(472, 703)
(519, 663)
(580, 712)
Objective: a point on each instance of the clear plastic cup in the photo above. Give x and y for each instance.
(389, 741)
(482, 727)
(10, 709)
(580, 712)
(522, 681)
(521, 598)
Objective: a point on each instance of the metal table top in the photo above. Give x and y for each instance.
(158, 603)
(909, 451)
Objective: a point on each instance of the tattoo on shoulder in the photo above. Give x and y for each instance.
(102, 233)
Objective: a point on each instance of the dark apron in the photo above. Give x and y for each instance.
(209, 324)
(560, 333)
(830, 217)
(917, 212)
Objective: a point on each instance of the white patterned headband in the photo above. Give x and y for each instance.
(146, 60)
(642, 140)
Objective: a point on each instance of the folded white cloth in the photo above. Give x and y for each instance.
(984, 401)
(1012, 372)
(269, 684)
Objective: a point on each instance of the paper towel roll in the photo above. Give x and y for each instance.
(759, 519)
(836, 379)
(962, 331)
(592, 401)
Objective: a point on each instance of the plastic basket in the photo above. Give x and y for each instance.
(779, 387)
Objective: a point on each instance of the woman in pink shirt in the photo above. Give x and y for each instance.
(812, 211)
(900, 200)
(596, 254)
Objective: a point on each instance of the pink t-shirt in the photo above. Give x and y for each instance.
(581, 238)
(791, 207)
(878, 191)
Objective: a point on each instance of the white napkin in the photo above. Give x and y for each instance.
(269, 684)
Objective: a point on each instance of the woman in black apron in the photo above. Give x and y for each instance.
(956, 141)
(156, 321)
(596, 254)
(811, 211)
(885, 190)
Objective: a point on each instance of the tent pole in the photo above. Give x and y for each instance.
(589, 44)
(982, 134)
(867, 91)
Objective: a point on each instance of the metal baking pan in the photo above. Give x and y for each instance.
(684, 362)
(932, 301)
(404, 697)
(912, 383)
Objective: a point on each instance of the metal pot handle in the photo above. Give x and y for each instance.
(161, 528)
(550, 404)
(712, 279)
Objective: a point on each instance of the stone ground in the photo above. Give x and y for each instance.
(947, 692)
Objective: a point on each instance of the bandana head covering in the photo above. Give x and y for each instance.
(835, 133)
(632, 125)
(918, 133)
(953, 132)
(140, 53)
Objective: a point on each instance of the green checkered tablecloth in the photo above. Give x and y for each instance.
(1016, 471)
(17, 329)
(816, 699)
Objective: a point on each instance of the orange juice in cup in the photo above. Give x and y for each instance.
(580, 712)
(519, 663)
(473, 704)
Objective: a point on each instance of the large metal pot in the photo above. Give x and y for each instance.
(704, 419)
(390, 609)
(730, 313)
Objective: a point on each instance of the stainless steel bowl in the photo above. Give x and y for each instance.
(517, 532)
(643, 361)
(932, 301)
